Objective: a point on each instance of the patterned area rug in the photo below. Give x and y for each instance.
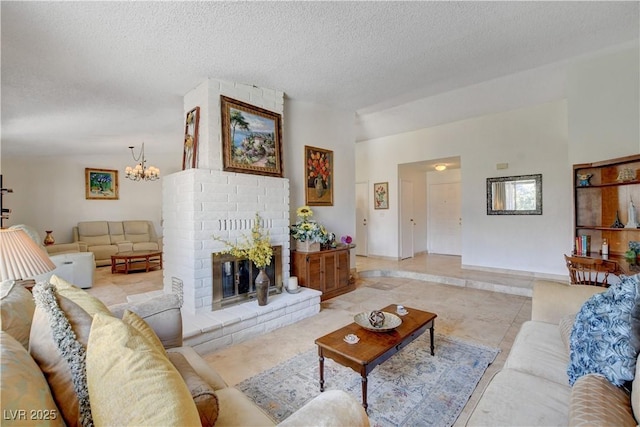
(412, 388)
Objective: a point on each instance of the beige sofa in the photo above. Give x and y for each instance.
(106, 238)
(533, 388)
(131, 378)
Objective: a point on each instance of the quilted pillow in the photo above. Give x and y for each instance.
(606, 334)
(597, 402)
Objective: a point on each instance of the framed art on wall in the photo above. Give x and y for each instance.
(251, 141)
(318, 176)
(381, 195)
(101, 184)
(190, 148)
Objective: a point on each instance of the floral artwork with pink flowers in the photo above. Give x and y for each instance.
(381, 195)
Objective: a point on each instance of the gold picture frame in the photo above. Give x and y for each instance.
(319, 179)
(251, 138)
(101, 184)
(381, 195)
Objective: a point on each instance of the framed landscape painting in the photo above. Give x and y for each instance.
(318, 176)
(251, 141)
(381, 195)
(101, 184)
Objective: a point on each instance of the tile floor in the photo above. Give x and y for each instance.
(481, 316)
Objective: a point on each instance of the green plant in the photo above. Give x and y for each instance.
(257, 249)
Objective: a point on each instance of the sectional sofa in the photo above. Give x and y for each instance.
(122, 365)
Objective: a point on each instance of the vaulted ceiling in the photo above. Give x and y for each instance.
(96, 77)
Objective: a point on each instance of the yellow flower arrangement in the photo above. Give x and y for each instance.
(257, 249)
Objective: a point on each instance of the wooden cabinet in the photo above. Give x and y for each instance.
(327, 271)
(603, 192)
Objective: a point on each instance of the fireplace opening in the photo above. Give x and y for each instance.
(234, 278)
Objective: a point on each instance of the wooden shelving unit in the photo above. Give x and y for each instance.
(596, 205)
(4, 212)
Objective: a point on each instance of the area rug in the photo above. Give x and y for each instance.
(412, 388)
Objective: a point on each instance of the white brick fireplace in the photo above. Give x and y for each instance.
(200, 203)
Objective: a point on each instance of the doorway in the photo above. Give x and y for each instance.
(445, 218)
(406, 220)
(362, 206)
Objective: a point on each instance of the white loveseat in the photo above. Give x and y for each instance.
(533, 388)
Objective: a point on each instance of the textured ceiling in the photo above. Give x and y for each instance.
(96, 77)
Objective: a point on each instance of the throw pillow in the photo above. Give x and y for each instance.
(606, 334)
(138, 323)
(59, 335)
(26, 398)
(89, 303)
(596, 402)
(566, 326)
(203, 395)
(16, 311)
(132, 384)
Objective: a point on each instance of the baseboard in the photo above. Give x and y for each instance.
(530, 274)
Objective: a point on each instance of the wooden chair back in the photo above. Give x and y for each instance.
(590, 271)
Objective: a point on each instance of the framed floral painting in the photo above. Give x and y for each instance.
(251, 141)
(381, 195)
(318, 176)
(101, 184)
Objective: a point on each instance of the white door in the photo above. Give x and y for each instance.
(406, 219)
(362, 210)
(445, 219)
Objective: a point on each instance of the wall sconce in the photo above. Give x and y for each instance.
(440, 167)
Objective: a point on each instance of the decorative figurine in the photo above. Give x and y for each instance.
(376, 318)
(626, 174)
(617, 223)
(584, 178)
(631, 223)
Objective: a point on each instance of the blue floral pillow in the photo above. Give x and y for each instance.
(606, 334)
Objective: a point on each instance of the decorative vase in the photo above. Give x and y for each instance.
(307, 246)
(48, 239)
(262, 287)
(319, 186)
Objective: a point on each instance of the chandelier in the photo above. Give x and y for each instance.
(140, 171)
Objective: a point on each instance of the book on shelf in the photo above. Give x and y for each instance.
(583, 245)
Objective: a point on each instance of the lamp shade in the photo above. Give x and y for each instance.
(21, 257)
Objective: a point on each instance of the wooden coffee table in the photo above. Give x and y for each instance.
(136, 261)
(373, 347)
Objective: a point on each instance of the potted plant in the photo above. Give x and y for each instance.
(307, 233)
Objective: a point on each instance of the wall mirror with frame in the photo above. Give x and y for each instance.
(514, 195)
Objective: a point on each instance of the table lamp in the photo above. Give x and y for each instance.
(21, 257)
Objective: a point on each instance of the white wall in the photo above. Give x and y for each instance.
(603, 94)
(322, 127)
(49, 192)
(531, 140)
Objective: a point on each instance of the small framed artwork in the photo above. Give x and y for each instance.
(251, 141)
(318, 176)
(190, 148)
(101, 184)
(381, 195)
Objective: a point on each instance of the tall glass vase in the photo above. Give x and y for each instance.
(262, 287)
